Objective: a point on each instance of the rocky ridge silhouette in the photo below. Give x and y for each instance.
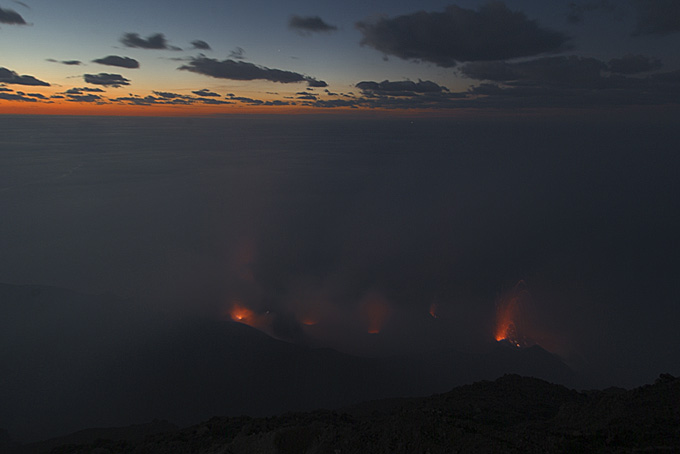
(510, 414)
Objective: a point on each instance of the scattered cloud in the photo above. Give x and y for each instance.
(657, 17)
(206, 93)
(155, 41)
(494, 32)
(115, 60)
(633, 64)
(310, 24)
(239, 70)
(65, 62)
(10, 77)
(11, 17)
(199, 44)
(109, 80)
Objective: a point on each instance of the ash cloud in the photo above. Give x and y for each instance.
(106, 79)
(8, 76)
(457, 34)
(11, 17)
(115, 60)
(155, 41)
(310, 24)
(239, 70)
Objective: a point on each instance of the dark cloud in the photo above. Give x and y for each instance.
(404, 87)
(109, 80)
(309, 24)
(81, 90)
(553, 71)
(84, 98)
(307, 96)
(458, 34)
(10, 77)
(16, 97)
(657, 17)
(568, 82)
(199, 44)
(238, 53)
(155, 41)
(239, 70)
(115, 60)
(33, 95)
(245, 100)
(8, 16)
(316, 83)
(5, 88)
(65, 62)
(206, 92)
(167, 95)
(633, 64)
(577, 10)
(278, 103)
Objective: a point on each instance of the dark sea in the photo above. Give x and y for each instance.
(329, 227)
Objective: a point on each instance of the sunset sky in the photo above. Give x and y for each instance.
(208, 56)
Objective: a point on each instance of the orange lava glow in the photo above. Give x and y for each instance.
(509, 315)
(433, 310)
(240, 313)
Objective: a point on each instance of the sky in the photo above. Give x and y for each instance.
(495, 171)
(212, 57)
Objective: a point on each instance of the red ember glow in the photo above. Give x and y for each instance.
(433, 310)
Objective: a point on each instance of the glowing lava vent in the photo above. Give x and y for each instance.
(510, 310)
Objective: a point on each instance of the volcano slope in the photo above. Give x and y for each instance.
(510, 414)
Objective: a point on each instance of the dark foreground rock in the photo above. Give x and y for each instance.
(511, 414)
